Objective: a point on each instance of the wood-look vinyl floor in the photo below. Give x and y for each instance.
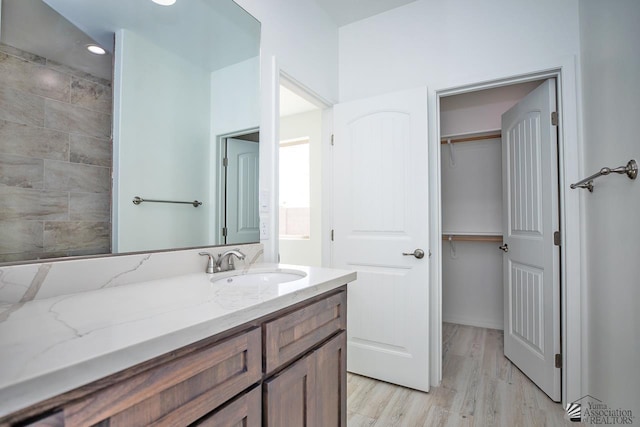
(480, 388)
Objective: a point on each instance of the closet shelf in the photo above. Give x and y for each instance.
(470, 138)
(475, 237)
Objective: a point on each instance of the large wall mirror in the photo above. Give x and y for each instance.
(169, 113)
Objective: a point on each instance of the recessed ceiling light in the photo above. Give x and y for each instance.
(96, 49)
(164, 2)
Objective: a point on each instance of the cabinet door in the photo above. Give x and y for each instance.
(178, 392)
(292, 335)
(331, 382)
(244, 411)
(289, 397)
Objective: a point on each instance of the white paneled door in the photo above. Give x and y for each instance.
(380, 188)
(241, 208)
(530, 218)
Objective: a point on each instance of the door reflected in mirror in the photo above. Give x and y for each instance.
(82, 134)
(240, 189)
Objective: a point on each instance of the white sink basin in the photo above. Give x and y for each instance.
(258, 277)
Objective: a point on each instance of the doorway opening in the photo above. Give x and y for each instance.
(451, 248)
(471, 207)
(300, 162)
(499, 186)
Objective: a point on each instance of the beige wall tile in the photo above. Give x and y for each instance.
(34, 78)
(21, 107)
(20, 171)
(78, 235)
(90, 207)
(20, 236)
(69, 118)
(92, 151)
(92, 251)
(91, 95)
(77, 73)
(27, 204)
(29, 141)
(28, 256)
(75, 177)
(45, 123)
(22, 54)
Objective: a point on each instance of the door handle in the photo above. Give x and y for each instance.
(504, 247)
(418, 253)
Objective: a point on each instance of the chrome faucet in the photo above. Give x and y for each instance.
(223, 262)
(228, 256)
(210, 267)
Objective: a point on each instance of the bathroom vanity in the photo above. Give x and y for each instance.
(180, 351)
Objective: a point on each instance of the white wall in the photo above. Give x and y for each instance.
(299, 38)
(472, 284)
(235, 97)
(161, 141)
(304, 40)
(472, 203)
(610, 68)
(306, 251)
(440, 43)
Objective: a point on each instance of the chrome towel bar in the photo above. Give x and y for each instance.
(137, 200)
(631, 170)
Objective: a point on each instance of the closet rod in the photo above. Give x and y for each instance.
(472, 238)
(471, 138)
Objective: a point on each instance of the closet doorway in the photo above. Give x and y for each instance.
(499, 210)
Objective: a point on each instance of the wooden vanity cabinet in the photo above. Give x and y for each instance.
(286, 369)
(176, 393)
(312, 391)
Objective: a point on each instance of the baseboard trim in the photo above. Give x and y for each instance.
(480, 323)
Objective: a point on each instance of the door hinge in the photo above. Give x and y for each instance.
(331, 139)
(556, 238)
(224, 231)
(225, 162)
(554, 118)
(558, 361)
(332, 235)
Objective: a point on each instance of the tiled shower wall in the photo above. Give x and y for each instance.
(55, 159)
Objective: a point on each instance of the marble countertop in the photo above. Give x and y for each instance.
(53, 345)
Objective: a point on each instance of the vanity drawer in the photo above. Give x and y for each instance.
(245, 410)
(178, 392)
(293, 334)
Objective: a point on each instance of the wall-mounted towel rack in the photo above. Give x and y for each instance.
(631, 170)
(137, 200)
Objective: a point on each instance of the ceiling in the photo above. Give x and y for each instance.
(65, 43)
(212, 34)
(34, 27)
(209, 33)
(345, 12)
(292, 103)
